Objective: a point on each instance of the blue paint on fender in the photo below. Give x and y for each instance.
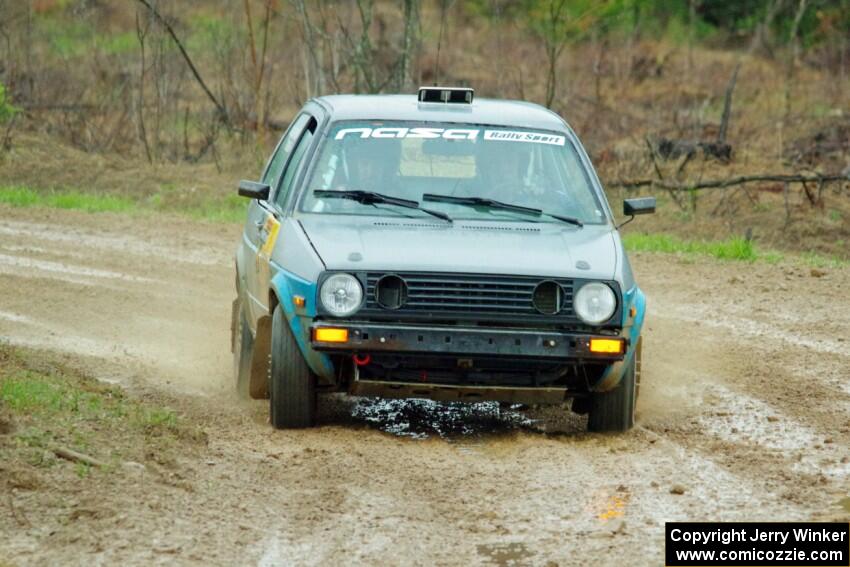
(286, 284)
(634, 297)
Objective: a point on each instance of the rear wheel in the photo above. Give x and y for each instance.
(615, 410)
(243, 347)
(292, 386)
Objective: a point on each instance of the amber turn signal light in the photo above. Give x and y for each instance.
(607, 346)
(298, 301)
(330, 335)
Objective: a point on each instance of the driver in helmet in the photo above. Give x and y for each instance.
(512, 172)
(369, 164)
(503, 169)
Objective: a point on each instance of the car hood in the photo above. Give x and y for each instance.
(518, 248)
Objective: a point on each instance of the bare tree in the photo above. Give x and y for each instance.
(333, 41)
(549, 21)
(559, 23)
(141, 34)
(258, 65)
(363, 59)
(410, 42)
(692, 17)
(222, 111)
(791, 62)
(445, 6)
(727, 105)
(314, 70)
(761, 38)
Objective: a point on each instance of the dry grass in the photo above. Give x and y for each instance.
(43, 172)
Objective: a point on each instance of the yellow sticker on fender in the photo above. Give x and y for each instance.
(271, 228)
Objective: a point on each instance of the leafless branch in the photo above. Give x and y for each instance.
(655, 165)
(222, 111)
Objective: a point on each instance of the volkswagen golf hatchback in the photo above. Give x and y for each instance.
(435, 246)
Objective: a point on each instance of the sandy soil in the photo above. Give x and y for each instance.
(744, 415)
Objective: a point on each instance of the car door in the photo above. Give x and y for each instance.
(278, 204)
(260, 224)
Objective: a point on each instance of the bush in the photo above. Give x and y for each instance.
(6, 109)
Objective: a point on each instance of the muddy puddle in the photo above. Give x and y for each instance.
(425, 419)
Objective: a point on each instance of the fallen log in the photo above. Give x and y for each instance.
(729, 182)
(71, 455)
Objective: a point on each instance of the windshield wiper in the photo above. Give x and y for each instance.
(373, 198)
(493, 204)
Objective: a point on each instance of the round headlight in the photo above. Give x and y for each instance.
(341, 294)
(595, 303)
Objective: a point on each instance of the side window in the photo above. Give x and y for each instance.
(284, 150)
(297, 155)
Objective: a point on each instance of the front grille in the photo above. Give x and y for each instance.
(437, 293)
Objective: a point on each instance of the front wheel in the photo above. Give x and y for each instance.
(292, 386)
(615, 410)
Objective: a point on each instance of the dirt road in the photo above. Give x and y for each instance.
(744, 415)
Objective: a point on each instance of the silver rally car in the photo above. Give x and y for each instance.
(435, 246)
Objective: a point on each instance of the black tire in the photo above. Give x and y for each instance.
(581, 406)
(243, 349)
(615, 410)
(292, 386)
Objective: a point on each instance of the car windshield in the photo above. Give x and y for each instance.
(531, 168)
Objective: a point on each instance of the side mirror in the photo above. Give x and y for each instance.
(640, 206)
(254, 190)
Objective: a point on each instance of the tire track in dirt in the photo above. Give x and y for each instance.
(778, 422)
(121, 290)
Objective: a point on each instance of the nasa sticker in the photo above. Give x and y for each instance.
(453, 134)
(428, 133)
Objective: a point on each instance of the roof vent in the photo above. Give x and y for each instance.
(448, 95)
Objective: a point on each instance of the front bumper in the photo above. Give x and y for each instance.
(369, 337)
(456, 393)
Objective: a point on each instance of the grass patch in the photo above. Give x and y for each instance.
(118, 43)
(231, 209)
(50, 405)
(66, 38)
(819, 261)
(225, 209)
(18, 196)
(150, 419)
(731, 249)
(61, 396)
(27, 391)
